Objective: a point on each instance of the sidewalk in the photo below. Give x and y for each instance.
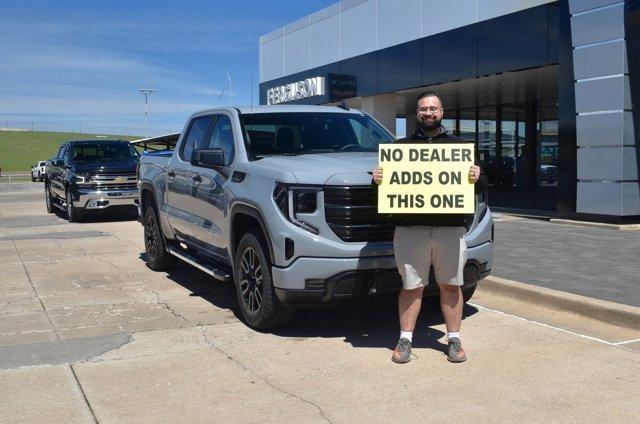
(593, 262)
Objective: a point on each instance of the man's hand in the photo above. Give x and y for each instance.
(377, 175)
(474, 173)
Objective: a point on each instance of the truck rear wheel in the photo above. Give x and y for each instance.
(259, 304)
(48, 198)
(158, 259)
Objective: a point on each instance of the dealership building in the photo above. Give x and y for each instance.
(548, 90)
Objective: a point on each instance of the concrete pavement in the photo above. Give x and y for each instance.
(89, 334)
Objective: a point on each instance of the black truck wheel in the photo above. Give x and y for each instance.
(259, 304)
(467, 293)
(73, 214)
(158, 259)
(48, 198)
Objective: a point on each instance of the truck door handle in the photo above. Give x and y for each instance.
(171, 173)
(197, 179)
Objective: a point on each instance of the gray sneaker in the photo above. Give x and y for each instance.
(456, 352)
(402, 352)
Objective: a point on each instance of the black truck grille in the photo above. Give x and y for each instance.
(352, 214)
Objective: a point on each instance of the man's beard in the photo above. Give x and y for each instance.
(429, 126)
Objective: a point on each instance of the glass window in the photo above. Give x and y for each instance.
(450, 125)
(195, 138)
(547, 155)
(61, 152)
(487, 144)
(303, 133)
(103, 151)
(222, 138)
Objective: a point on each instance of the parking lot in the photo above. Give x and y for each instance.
(89, 334)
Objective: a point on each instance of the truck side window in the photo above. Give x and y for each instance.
(196, 136)
(222, 138)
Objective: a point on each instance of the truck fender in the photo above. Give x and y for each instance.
(257, 215)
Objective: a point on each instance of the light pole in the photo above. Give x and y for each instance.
(146, 92)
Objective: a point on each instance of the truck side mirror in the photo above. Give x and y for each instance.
(208, 158)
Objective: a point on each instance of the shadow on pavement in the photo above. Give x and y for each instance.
(367, 322)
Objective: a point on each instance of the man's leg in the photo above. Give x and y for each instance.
(409, 303)
(451, 302)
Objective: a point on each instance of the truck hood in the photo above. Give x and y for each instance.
(326, 168)
(111, 166)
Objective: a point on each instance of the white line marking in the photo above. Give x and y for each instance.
(584, 336)
(628, 341)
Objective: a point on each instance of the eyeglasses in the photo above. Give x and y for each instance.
(431, 109)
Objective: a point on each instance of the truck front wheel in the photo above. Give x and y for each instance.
(158, 259)
(260, 307)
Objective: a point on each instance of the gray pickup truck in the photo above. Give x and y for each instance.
(280, 200)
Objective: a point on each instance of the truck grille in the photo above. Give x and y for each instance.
(352, 213)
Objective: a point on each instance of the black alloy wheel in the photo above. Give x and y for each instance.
(72, 212)
(260, 307)
(158, 259)
(251, 280)
(48, 198)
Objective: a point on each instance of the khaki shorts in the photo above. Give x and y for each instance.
(418, 248)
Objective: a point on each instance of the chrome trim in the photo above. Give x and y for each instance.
(113, 197)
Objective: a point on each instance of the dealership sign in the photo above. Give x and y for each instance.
(296, 90)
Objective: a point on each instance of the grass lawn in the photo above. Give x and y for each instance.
(19, 150)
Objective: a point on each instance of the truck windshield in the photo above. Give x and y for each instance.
(268, 134)
(104, 151)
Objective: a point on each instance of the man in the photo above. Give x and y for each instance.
(422, 241)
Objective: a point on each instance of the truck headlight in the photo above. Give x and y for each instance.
(294, 201)
(83, 178)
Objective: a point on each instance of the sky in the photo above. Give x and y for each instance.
(77, 65)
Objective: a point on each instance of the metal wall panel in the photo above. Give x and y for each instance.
(607, 129)
(577, 6)
(272, 59)
(450, 56)
(512, 42)
(603, 94)
(357, 37)
(399, 67)
(608, 164)
(608, 198)
(398, 22)
(599, 198)
(443, 15)
(600, 60)
(365, 69)
(324, 41)
(489, 9)
(600, 25)
(296, 51)
(630, 199)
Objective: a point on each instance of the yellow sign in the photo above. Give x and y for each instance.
(426, 178)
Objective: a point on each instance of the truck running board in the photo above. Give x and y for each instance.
(210, 269)
(59, 206)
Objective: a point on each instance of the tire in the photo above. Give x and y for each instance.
(73, 213)
(32, 177)
(260, 307)
(467, 293)
(48, 198)
(158, 259)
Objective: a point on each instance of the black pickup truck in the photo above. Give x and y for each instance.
(92, 175)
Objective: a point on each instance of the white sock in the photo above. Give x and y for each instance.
(451, 335)
(407, 335)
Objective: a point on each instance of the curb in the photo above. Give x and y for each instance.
(608, 312)
(619, 227)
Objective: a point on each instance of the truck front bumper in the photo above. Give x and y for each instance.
(310, 281)
(102, 199)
